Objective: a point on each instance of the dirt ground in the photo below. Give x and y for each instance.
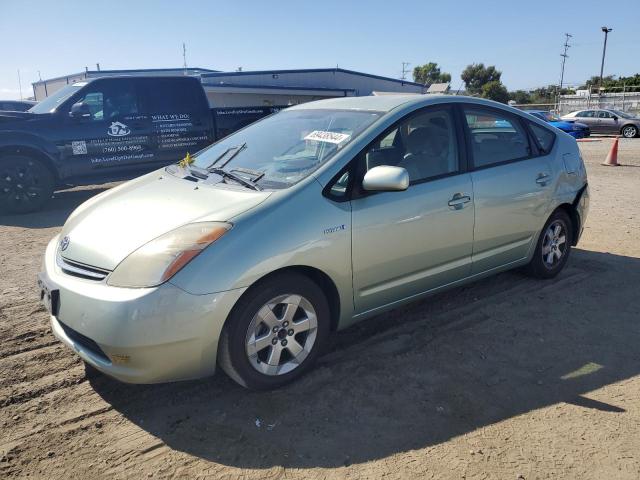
(507, 378)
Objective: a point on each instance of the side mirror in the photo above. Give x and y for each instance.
(80, 110)
(386, 179)
(615, 117)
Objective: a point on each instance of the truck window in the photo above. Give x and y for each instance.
(108, 100)
(168, 95)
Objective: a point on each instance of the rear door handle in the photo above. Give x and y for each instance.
(543, 179)
(459, 200)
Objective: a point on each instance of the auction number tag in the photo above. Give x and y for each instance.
(330, 137)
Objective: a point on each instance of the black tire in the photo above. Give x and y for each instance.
(26, 184)
(538, 267)
(232, 354)
(629, 131)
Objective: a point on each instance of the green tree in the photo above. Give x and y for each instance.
(521, 97)
(476, 75)
(430, 73)
(495, 90)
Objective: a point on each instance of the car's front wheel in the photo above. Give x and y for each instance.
(553, 247)
(629, 131)
(275, 333)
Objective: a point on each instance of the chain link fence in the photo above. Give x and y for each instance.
(626, 99)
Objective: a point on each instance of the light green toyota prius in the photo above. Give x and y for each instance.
(251, 254)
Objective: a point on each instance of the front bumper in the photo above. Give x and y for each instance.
(137, 335)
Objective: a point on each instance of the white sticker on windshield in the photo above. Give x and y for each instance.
(331, 137)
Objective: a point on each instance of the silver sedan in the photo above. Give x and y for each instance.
(251, 253)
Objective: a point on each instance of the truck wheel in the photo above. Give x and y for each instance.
(26, 184)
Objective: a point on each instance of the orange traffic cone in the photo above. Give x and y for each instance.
(612, 157)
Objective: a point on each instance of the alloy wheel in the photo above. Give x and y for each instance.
(281, 334)
(629, 131)
(554, 244)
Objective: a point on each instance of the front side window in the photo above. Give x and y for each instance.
(425, 145)
(496, 137)
(604, 114)
(284, 148)
(107, 101)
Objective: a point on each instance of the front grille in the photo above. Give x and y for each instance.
(85, 342)
(80, 270)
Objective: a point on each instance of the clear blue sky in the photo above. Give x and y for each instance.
(523, 39)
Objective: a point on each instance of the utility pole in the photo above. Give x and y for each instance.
(564, 57)
(604, 52)
(405, 70)
(184, 57)
(20, 84)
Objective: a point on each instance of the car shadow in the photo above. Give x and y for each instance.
(56, 211)
(417, 376)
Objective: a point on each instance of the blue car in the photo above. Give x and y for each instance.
(575, 129)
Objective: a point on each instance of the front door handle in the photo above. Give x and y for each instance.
(543, 179)
(458, 201)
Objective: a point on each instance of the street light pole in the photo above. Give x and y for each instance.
(604, 52)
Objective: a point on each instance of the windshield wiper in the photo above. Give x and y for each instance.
(256, 174)
(234, 151)
(234, 177)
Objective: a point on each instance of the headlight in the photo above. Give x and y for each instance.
(160, 259)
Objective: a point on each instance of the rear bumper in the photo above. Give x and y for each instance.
(143, 335)
(579, 133)
(582, 208)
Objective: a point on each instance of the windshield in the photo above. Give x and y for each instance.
(286, 147)
(50, 103)
(621, 114)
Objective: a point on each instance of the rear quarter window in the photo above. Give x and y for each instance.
(544, 136)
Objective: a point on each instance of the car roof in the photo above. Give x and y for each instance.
(386, 103)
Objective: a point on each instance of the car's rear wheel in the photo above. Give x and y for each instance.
(26, 184)
(629, 131)
(553, 247)
(275, 333)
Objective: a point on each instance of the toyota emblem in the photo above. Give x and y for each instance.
(64, 243)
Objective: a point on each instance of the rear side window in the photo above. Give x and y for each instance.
(167, 95)
(586, 114)
(496, 137)
(544, 136)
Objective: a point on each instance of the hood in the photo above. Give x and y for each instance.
(107, 228)
(6, 116)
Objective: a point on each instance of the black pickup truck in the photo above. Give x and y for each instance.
(102, 130)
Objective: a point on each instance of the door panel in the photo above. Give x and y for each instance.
(113, 137)
(511, 202)
(405, 243)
